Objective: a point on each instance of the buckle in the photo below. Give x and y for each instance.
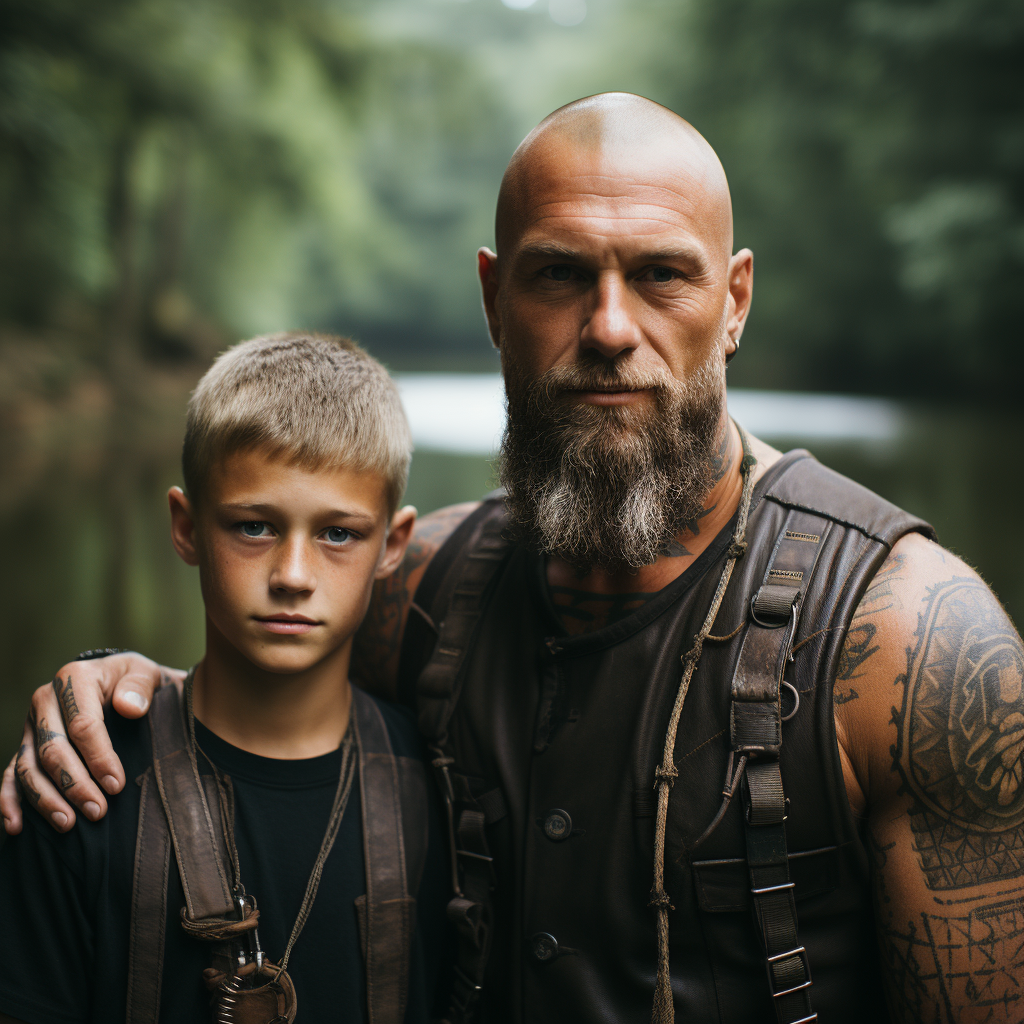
(799, 953)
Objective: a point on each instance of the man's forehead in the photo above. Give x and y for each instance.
(608, 192)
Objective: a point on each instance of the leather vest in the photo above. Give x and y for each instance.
(558, 737)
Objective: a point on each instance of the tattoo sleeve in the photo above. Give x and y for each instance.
(949, 868)
(960, 735)
(378, 643)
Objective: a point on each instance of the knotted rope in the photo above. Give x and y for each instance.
(666, 773)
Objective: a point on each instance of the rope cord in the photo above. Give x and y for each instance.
(222, 930)
(666, 773)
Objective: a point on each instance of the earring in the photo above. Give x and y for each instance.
(729, 355)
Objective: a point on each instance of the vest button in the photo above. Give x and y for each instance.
(557, 825)
(544, 947)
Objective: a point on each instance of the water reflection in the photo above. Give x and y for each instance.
(955, 469)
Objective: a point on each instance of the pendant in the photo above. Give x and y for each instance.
(257, 994)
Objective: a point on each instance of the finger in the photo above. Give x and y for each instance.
(39, 791)
(133, 692)
(78, 691)
(57, 758)
(10, 801)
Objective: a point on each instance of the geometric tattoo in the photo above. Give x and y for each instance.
(960, 737)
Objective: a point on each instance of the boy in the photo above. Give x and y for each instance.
(270, 858)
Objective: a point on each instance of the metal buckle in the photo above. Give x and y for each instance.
(799, 952)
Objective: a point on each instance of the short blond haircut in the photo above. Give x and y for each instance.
(316, 400)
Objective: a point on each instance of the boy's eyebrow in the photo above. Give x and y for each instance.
(260, 509)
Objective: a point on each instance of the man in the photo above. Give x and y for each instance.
(736, 738)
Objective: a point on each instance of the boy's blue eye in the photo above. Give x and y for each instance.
(337, 534)
(253, 529)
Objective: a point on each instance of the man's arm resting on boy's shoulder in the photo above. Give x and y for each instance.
(66, 749)
(929, 709)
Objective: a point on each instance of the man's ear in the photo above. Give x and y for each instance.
(183, 526)
(397, 541)
(741, 293)
(487, 268)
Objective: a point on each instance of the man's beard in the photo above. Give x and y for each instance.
(609, 486)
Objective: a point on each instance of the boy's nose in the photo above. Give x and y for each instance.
(293, 569)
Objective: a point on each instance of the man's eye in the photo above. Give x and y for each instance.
(559, 272)
(337, 535)
(660, 275)
(255, 529)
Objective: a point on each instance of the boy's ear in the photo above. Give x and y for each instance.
(397, 541)
(183, 526)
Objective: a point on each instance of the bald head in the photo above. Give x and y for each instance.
(616, 139)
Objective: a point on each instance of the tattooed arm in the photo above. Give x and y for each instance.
(930, 718)
(378, 644)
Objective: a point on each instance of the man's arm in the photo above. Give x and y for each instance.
(65, 748)
(930, 718)
(378, 643)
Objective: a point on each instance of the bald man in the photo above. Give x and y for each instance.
(722, 733)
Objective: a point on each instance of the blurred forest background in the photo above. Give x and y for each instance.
(175, 176)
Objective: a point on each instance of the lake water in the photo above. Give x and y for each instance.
(68, 553)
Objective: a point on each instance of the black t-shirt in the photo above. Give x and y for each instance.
(65, 900)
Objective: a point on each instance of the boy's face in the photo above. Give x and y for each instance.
(287, 556)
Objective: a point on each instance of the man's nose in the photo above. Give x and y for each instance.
(612, 328)
(293, 568)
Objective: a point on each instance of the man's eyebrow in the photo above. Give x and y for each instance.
(690, 255)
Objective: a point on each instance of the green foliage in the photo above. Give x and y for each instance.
(876, 154)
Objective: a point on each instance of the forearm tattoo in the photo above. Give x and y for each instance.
(960, 734)
(66, 697)
(962, 967)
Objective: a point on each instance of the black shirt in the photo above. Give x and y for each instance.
(65, 899)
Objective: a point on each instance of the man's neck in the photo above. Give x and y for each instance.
(589, 602)
(281, 715)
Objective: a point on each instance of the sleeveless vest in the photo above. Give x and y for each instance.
(553, 741)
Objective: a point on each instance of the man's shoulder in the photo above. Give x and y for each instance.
(805, 483)
(931, 677)
(400, 722)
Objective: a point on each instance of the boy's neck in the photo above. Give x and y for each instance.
(282, 715)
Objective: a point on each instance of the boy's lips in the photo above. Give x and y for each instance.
(287, 624)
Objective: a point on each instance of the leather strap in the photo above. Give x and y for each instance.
(149, 907)
(159, 824)
(389, 910)
(198, 845)
(756, 732)
(461, 596)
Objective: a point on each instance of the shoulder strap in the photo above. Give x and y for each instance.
(457, 596)
(756, 733)
(388, 912)
(175, 813)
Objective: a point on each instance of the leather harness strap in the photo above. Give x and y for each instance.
(461, 595)
(179, 814)
(756, 733)
(389, 909)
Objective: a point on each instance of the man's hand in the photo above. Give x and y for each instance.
(65, 721)
(929, 699)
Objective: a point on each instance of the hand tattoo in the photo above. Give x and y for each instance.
(21, 774)
(66, 696)
(44, 734)
(66, 782)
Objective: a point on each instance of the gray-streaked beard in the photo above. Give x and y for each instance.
(609, 486)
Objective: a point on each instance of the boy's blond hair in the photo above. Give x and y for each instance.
(315, 399)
